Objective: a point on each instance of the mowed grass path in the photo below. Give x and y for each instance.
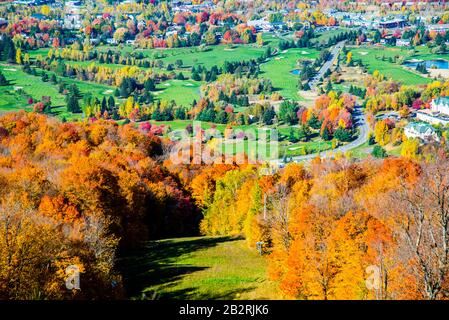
(393, 70)
(197, 268)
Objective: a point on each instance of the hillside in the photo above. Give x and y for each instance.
(197, 268)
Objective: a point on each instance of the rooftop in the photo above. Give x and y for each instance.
(420, 127)
(442, 100)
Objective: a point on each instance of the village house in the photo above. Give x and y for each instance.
(403, 42)
(260, 25)
(422, 131)
(439, 28)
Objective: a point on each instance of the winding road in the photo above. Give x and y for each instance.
(358, 117)
(326, 66)
(359, 121)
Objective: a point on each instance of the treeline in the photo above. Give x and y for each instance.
(306, 36)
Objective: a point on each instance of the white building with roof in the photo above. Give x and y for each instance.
(421, 131)
(438, 112)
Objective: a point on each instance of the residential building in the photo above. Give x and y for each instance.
(440, 105)
(422, 131)
(439, 28)
(403, 42)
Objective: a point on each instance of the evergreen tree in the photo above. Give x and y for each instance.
(104, 105)
(222, 117)
(53, 79)
(73, 104)
(314, 122)
(180, 76)
(111, 103)
(268, 116)
(304, 133)
(379, 152)
(291, 137)
(341, 134)
(325, 134)
(3, 81)
(149, 85)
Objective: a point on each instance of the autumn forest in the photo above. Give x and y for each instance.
(81, 193)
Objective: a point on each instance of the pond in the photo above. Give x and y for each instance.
(296, 72)
(430, 64)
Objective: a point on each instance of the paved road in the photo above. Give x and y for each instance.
(334, 56)
(360, 122)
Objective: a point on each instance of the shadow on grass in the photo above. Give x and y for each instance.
(192, 294)
(156, 265)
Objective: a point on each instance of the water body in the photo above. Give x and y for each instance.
(296, 72)
(430, 64)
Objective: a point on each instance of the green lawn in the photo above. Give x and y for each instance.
(34, 87)
(278, 70)
(197, 268)
(302, 148)
(208, 57)
(324, 37)
(393, 70)
(12, 100)
(182, 91)
(362, 151)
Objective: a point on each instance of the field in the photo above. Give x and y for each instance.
(278, 70)
(182, 91)
(197, 268)
(393, 70)
(34, 87)
(206, 56)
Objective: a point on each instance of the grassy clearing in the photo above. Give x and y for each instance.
(278, 70)
(362, 151)
(324, 37)
(12, 100)
(34, 87)
(302, 148)
(208, 57)
(197, 268)
(394, 70)
(182, 91)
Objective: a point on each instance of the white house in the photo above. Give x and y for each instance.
(431, 117)
(403, 42)
(439, 28)
(111, 41)
(260, 25)
(421, 130)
